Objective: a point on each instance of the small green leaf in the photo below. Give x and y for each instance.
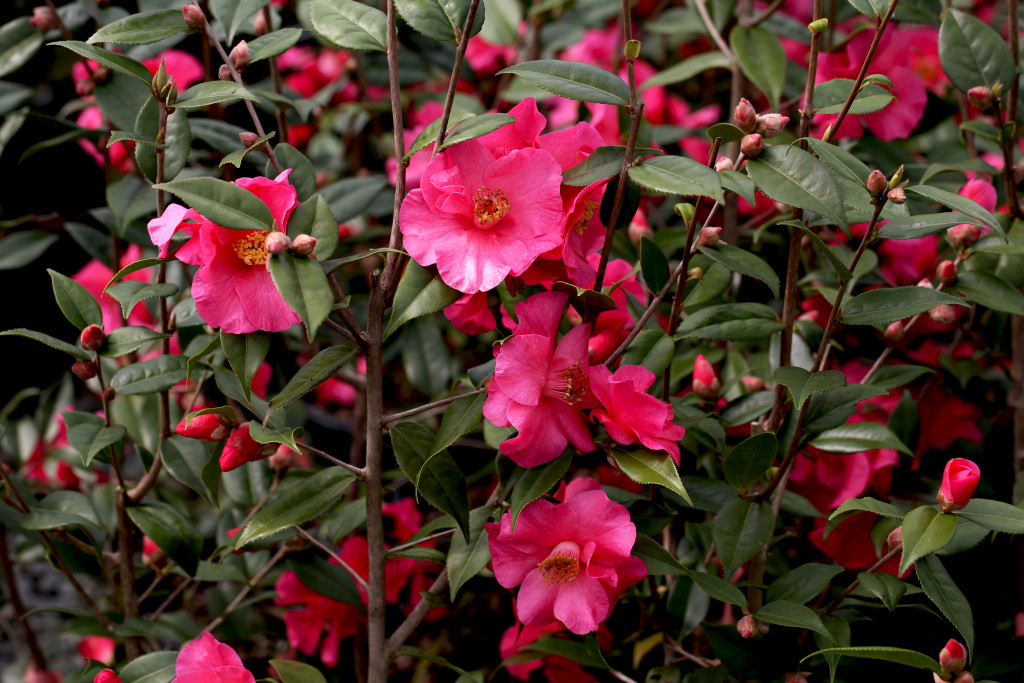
(265, 435)
(604, 162)
(739, 530)
(172, 532)
(884, 306)
(296, 672)
(326, 578)
(718, 588)
(739, 183)
(802, 584)
(750, 459)
(912, 227)
(142, 28)
(419, 293)
(535, 482)
(652, 349)
(938, 585)
(792, 176)
(52, 342)
(59, 509)
(925, 530)
(273, 44)
(75, 302)
(831, 96)
(130, 292)
(994, 515)
(235, 158)
(150, 376)
(474, 127)
(112, 60)
(586, 653)
(675, 175)
(88, 435)
(889, 654)
(653, 265)
(785, 613)
(964, 205)
(885, 587)
(222, 202)
(737, 322)
(687, 69)
(858, 437)
(428, 135)
(467, 558)
(802, 383)
(302, 176)
(311, 375)
(245, 353)
(650, 467)
(575, 80)
(743, 262)
(441, 483)
(659, 561)
(212, 92)
(153, 667)
(461, 416)
(762, 59)
(302, 283)
(441, 20)
(189, 461)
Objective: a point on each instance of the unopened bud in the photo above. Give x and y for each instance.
(240, 55)
(171, 95)
(895, 538)
(964, 236)
(303, 245)
(109, 394)
(770, 125)
(894, 333)
(194, 17)
(724, 163)
(684, 210)
(160, 82)
(259, 24)
(946, 272)
(84, 369)
(708, 236)
(818, 26)
(282, 459)
(997, 90)
(85, 87)
(92, 338)
(747, 626)
(752, 383)
(750, 145)
(943, 314)
(897, 178)
(632, 50)
(278, 242)
(248, 139)
(106, 676)
(207, 427)
(953, 657)
(705, 382)
(43, 19)
(224, 73)
(980, 97)
(745, 116)
(926, 283)
(638, 229)
(897, 195)
(876, 183)
(965, 677)
(695, 274)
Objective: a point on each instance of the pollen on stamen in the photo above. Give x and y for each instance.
(576, 383)
(252, 248)
(588, 213)
(562, 565)
(489, 206)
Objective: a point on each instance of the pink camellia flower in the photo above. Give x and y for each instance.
(470, 314)
(232, 288)
(631, 415)
(242, 448)
(964, 236)
(539, 386)
(95, 275)
(98, 648)
(953, 657)
(555, 669)
(705, 382)
(572, 559)
(207, 660)
(959, 480)
(106, 676)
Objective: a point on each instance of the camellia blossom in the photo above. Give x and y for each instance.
(959, 480)
(233, 289)
(571, 560)
(207, 660)
(540, 385)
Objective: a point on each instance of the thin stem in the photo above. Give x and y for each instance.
(896, 550)
(126, 576)
(275, 78)
(344, 565)
(418, 613)
(1009, 181)
(38, 659)
(178, 590)
(421, 541)
(248, 588)
(392, 418)
(453, 81)
(709, 25)
(768, 12)
(346, 314)
(358, 471)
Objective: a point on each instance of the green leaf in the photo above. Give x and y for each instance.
(22, 248)
(892, 376)
(439, 19)
(88, 435)
(674, 175)
(535, 482)
(750, 459)
(972, 53)
(311, 375)
(994, 515)
(235, 158)
(870, 8)
(59, 509)
(172, 532)
(142, 28)
(739, 530)
(130, 292)
(738, 183)
(474, 127)
(802, 383)
(189, 461)
(966, 206)
(855, 505)
(786, 613)
(440, 481)
(659, 561)
(990, 290)
(802, 584)
(938, 585)
(650, 467)
(112, 60)
(461, 416)
(586, 653)
(729, 133)
(687, 69)
(75, 302)
(841, 270)
(273, 44)
(297, 504)
(889, 654)
(245, 353)
(270, 434)
(222, 202)
(302, 283)
(761, 57)
(718, 588)
(314, 217)
(232, 14)
(350, 25)
(302, 176)
(743, 262)
(467, 558)
(150, 376)
(652, 349)
(839, 160)
(212, 92)
(296, 672)
(352, 196)
(19, 41)
(653, 265)
(795, 177)
(884, 306)
(912, 227)
(925, 530)
(153, 667)
(885, 587)
(857, 437)
(575, 80)
(419, 293)
(52, 342)
(737, 322)
(604, 162)
(141, 264)
(830, 97)
(428, 135)
(327, 579)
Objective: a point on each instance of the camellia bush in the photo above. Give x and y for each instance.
(473, 341)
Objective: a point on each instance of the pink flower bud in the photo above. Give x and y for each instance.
(194, 17)
(208, 427)
(278, 242)
(745, 116)
(723, 164)
(964, 236)
(926, 283)
(946, 272)
(965, 677)
(953, 657)
(84, 369)
(897, 196)
(259, 24)
(240, 55)
(943, 314)
(877, 183)
(752, 383)
(85, 87)
(98, 648)
(750, 145)
(43, 19)
(959, 480)
(106, 676)
(92, 338)
(708, 236)
(303, 245)
(894, 333)
(705, 381)
(34, 675)
(980, 97)
(248, 139)
(224, 73)
(747, 626)
(283, 458)
(242, 448)
(639, 228)
(895, 537)
(770, 125)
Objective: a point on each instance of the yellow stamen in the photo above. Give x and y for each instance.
(252, 248)
(583, 223)
(562, 565)
(489, 206)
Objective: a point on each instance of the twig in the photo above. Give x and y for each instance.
(417, 615)
(421, 541)
(460, 54)
(896, 550)
(248, 588)
(358, 471)
(768, 12)
(178, 590)
(344, 565)
(397, 417)
(38, 659)
(713, 32)
(275, 79)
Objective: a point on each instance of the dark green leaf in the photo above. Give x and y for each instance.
(535, 482)
(785, 613)
(739, 530)
(296, 672)
(88, 435)
(925, 530)
(235, 158)
(990, 290)
(750, 459)
(419, 292)
(172, 532)
(604, 162)
(761, 57)
(885, 587)
(739, 183)
(687, 69)
(22, 248)
(352, 196)
(314, 217)
(892, 376)
(303, 285)
(311, 375)
(841, 270)
(327, 579)
(659, 561)
(858, 437)
(270, 434)
(792, 176)
(737, 322)
(650, 467)
(428, 135)
(232, 14)
(439, 19)
(802, 584)
(52, 342)
(912, 227)
(871, 8)
(273, 44)
(460, 417)
(75, 302)
(743, 262)
(212, 92)
(189, 461)
(652, 349)
(802, 383)
(153, 667)
(59, 509)
(474, 127)
(135, 267)
(964, 205)
(674, 175)
(19, 41)
(889, 654)
(467, 558)
(142, 28)
(575, 80)
(994, 515)
(830, 97)
(130, 292)
(938, 585)
(653, 265)
(440, 482)
(245, 353)
(884, 306)
(718, 588)
(112, 60)
(302, 177)
(586, 653)
(149, 376)
(855, 505)
(839, 160)
(222, 202)
(972, 53)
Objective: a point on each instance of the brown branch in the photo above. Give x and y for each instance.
(871, 570)
(38, 659)
(248, 588)
(392, 418)
(453, 81)
(337, 558)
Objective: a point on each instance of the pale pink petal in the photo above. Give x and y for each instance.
(605, 523)
(535, 601)
(522, 368)
(581, 604)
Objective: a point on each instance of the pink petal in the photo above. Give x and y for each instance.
(582, 604)
(535, 601)
(522, 368)
(605, 523)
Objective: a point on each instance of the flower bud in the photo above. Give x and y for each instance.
(876, 183)
(106, 676)
(84, 369)
(224, 73)
(896, 178)
(959, 480)
(85, 87)
(303, 245)
(926, 283)
(705, 381)
(964, 236)
(818, 26)
(724, 163)
(894, 333)
(980, 97)
(897, 195)
(240, 55)
(770, 125)
(953, 657)
(695, 274)
(708, 237)
(745, 116)
(92, 338)
(965, 677)
(943, 314)
(109, 394)
(278, 242)
(747, 626)
(259, 24)
(207, 427)
(638, 228)
(194, 17)
(283, 458)
(43, 19)
(100, 73)
(946, 272)
(750, 145)
(632, 50)
(894, 538)
(685, 211)
(170, 94)
(152, 556)
(248, 139)
(98, 648)
(241, 448)
(752, 383)
(160, 83)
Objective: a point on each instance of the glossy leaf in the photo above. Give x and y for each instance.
(439, 19)
(885, 587)
(245, 353)
(743, 262)
(802, 384)
(297, 504)
(786, 613)
(940, 588)
(60, 509)
(467, 558)
(675, 175)
(652, 349)
(991, 291)
(52, 342)
(474, 127)
(88, 435)
(149, 376)
(718, 588)
(884, 306)
(994, 515)
(189, 461)
(831, 96)
(535, 482)
(739, 183)
(311, 375)
(232, 14)
(802, 584)
(172, 532)
(314, 217)
(964, 205)
(212, 92)
(925, 530)
(659, 562)
(687, 69)
(326, 578)
(112, 60)
(235, 158)
(972, 53)
(273, 44)
(302, 283)
(650, 467)
(440, 481)
(142, 28)
(461, 416)
(792, 176)
(912, 227)
(152, 667)
(761, 57)
(858, 437)
(352, 196)
(889, 654)
(19, 42)
(575, 80)
(302, 176)
(296, 672)
(750, 459)
(222, 202)
(75, 302)
(420, 292)
(739, 530)
(737, 322)
(841, 270)
(428, 135)
(130, 292)
(653, 265)
(604, 162)
(349, 24)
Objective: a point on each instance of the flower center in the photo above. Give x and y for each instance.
(252, 248)
(562, 565)
(489, 206)
(583, 223)
(569, 385)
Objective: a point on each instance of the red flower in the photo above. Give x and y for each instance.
(959, 480)
(242, 448)
(207, 660)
